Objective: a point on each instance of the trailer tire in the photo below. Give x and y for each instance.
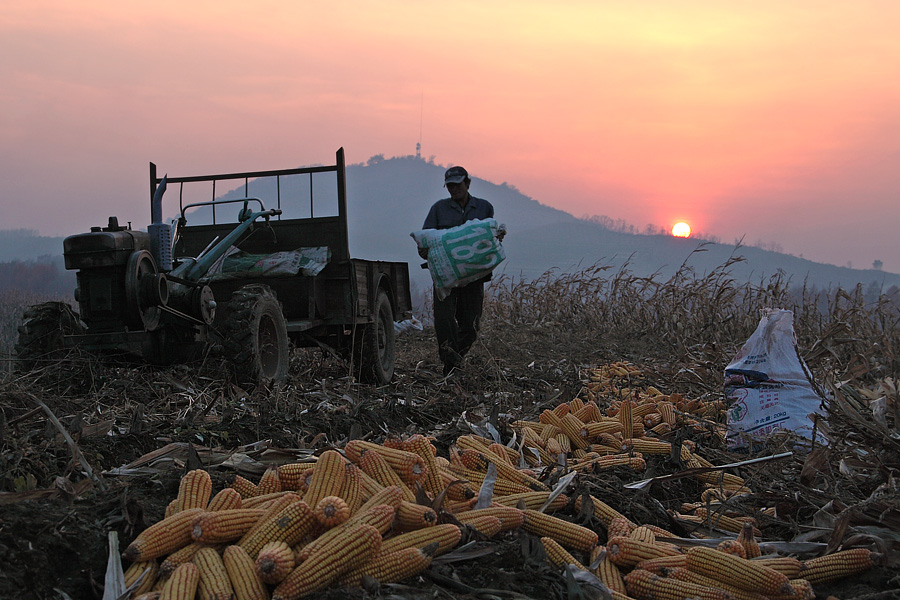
(378, 344)
(256, 338)
(42, 331)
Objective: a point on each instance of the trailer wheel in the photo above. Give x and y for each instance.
(378, 343)
(42, 331)
(256, 339)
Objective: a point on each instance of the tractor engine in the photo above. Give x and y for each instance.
(119, 286)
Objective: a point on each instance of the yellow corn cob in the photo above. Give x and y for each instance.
(214, 583)
(838, 565)
(271, 510)
(479, 461)
(557, 556)
(788, 565)
(647, 446)
(603, 512)
(499, 450)
(644, 585)
(455, 491)
(549, 431)
(327, 477)
(572, 426)
(642, 409)
(194, 490)
(389, 567)
(368, 487)
(575, 404)
(270, 482)
(474, 442)
(380, 517)
(268, 500)
(182, 585)
(723, 522)
(661, 429)
(458, 506)
(274, 562)
(245, 487)
(533, 500)
(568, 534)
(331, 511)
(803, 590)
(531, 436)
(224, 525)
(292, 474)
(643, 534)
(163, 537)
(446, 536)
(652, 420)
(242, 574)
(510, 517)
(431, 480)
(607, 571)
(720, 478)
(684, 574)
(564, 442)
(408, 465)
(375, 465)
(595, 465)
(393, 442)
(136, 570)
(588, 413)
(148, 595)
(626, 552)
(332, 559)
(227, 498)
(414, 516)
(487, 525)
(740, 572)
(620, 527)
(662, 564)
(351, 492)
(591, 432)
(502, 486)
(554, 447)
(179, 557)
(626, 418)
(389, 495)
(288, 525)
(732, 547)
(172, 507)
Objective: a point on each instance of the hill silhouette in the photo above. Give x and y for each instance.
(389, 198)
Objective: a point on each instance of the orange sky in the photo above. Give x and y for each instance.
(776, 121)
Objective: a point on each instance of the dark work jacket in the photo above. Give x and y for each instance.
(447, 213)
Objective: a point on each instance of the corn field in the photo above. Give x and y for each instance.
(699, 319)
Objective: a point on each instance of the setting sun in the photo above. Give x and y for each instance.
(681, 230)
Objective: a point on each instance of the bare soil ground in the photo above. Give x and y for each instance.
(55, 516)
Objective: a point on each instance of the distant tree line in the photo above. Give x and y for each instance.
(44, 275)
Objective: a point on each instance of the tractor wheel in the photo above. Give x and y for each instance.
(256, 339)
(377, 345)
(42, 330)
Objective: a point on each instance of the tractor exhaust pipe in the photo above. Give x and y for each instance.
(160, 233)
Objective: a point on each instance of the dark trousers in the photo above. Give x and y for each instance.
(457, 319)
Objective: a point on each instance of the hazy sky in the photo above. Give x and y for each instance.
(777, 121)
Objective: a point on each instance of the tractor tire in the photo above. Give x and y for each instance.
(256, 338)
(42, 331)
(378, 344)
